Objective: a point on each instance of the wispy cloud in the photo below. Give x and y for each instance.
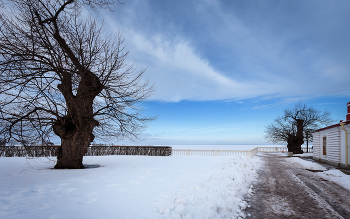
(215, 50)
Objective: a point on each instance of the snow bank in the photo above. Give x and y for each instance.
(218, 195)
(337, 177)
(307, 164)
(333, 175)
(304, 155)
(127, 187)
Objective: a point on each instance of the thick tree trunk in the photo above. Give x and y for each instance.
(72, 150)
(75, 129)
(74, 142)
(294, 144)
(295, 141)
(76, 135)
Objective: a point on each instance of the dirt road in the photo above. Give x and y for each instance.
(290, 191)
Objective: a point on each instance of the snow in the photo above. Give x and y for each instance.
(333, 175)
(304, 155)
(128, 187)
(337, 177)
(307, 164)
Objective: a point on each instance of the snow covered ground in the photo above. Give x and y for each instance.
(127, 187)
(334, 175)
(307, 164)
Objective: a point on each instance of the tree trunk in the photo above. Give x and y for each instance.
(72, 150)
(75, 129)
(295, 141)
(74, 141)
(294, 145)
(300, 135)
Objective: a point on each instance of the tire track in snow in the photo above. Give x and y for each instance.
(287, 190)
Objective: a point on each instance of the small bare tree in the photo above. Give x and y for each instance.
(61, 74)
(296, 125)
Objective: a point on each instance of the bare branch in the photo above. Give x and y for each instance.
(285, 127)
(61, 74)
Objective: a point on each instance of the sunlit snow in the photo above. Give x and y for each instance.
(127, 187)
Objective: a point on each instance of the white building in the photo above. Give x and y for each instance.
(331, 144)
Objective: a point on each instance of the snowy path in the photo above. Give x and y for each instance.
(287, 190)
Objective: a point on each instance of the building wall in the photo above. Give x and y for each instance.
(343, 156)
(334, 146)
(316, 146)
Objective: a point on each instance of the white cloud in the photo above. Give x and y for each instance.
(179, 73)
(266, 61)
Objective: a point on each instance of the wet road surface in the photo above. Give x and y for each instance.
(287, 190)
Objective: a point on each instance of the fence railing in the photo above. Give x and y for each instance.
(51, 151)
(282, 149)
(273, 149)
(129, 150)
(189, 152)
(249, 153)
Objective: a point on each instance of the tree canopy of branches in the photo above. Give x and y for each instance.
(61, 74)
(296, 125)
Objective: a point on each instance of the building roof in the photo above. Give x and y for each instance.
(332, 126)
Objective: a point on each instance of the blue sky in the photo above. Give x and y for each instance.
(223, 70)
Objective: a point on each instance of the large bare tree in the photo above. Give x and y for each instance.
(296, 125)
(62, 74)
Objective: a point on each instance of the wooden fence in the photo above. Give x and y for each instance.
(51, 151)
(129, 150)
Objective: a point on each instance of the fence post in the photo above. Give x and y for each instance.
(187, 152)
(249, 153)
(215, 152)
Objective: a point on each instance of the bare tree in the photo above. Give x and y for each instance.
(61, 74)
(296, 125)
